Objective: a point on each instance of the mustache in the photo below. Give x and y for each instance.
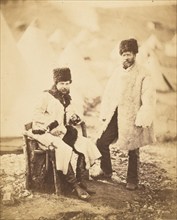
(126, 61)
(64, 90)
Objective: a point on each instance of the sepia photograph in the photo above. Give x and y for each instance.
(88, 110)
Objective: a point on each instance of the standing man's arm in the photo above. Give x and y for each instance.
(146, 112)
(108, 102)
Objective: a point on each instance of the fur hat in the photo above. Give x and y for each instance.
(61, 74)
(128, 45)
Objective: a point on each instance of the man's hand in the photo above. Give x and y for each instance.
(74, 120)
(52, 125)
(144, 122)
(38, 131)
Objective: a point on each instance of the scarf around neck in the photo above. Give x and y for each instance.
(65, 99)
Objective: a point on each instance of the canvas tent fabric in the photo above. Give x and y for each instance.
(170, 47)
(13, 83)
(148, 58)
(57, 41)
(151, 63)
(83, 80)
(38, 56)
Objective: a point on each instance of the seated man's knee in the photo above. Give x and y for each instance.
(70, 136)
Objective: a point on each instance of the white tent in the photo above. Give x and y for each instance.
(152, 64)
(148, 58)
(13, 83)
(38, 55)
(83, 80)
(170, 47)
(57, 41)
(153, 42)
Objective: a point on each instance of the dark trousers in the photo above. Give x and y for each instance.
(107, 137)
(133, 166)
(103, 143)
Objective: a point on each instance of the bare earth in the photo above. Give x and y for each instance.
(155, 198)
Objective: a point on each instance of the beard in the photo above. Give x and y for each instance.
(128, 63)
(64, 91)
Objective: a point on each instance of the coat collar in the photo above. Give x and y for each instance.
(65, 100)
(130, 68)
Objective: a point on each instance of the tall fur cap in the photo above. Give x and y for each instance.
(128, 45)
(61, 74)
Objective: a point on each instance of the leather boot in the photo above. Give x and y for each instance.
(71, 179)
(133, 169)
(82, 174)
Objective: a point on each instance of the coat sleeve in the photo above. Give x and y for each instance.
(108, 103)
(40, 117)
(104, 102)
(145, 115)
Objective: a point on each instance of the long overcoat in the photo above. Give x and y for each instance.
(50, 109)
(131, 91)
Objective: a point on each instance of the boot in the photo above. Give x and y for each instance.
(71, 179)
(82, 174)
(133, 170)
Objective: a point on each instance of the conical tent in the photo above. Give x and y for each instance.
(83, 80)
(13, 83)
(153, 42)
(170, 47)
(147, 57)
(57, 41)
(38, 55)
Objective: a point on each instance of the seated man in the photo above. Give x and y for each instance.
(53, 124)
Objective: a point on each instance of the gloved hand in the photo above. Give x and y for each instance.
(52, 125)
(143, 119)
(38, 131)
(74, 120)
(49, 128)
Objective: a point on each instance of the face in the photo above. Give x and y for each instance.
(128, 59)
(64, 87)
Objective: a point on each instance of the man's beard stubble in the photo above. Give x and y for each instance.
(128, 63)
(64, 91)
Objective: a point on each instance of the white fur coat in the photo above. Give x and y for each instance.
(132, 91)
(47, 111)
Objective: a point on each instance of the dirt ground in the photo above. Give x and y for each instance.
(155, 198)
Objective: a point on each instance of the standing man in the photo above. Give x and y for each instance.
(127, 113)
(54, 123)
